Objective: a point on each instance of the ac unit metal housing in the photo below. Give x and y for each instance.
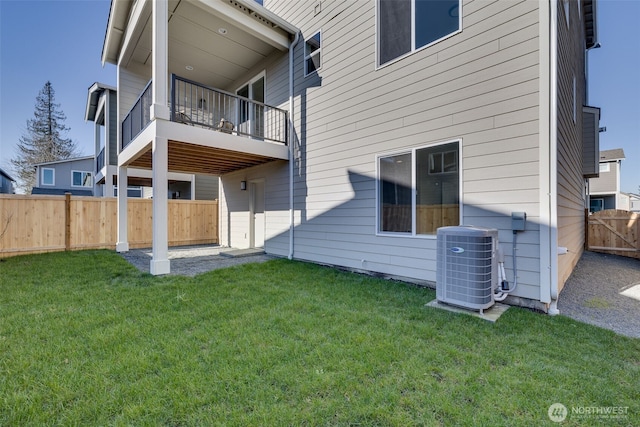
(467, 266)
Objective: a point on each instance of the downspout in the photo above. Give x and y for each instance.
(291, 140)
(553, 160)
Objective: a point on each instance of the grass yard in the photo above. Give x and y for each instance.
(85, 339)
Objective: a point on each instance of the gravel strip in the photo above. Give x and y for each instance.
(593, 293)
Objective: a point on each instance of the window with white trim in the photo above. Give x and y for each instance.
(604, 167)
(312, 54)
(419, 190)
(48, 176)
(405, 26)
(81, 179)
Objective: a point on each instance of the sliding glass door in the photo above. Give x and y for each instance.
(251, 114)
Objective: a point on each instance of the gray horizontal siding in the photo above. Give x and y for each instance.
(607, 182)
(570, 181)
(206, 187)
(480, 86)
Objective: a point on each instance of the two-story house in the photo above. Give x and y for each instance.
(73, 176)
(604, 191)
(347, 132)
(6, 183)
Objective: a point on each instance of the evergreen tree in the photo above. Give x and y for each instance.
(44, 139)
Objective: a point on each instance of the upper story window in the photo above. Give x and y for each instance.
(605, 167)
(48, 176)
(81, 179)
(419, 190)
(405, 26)
(312, 54)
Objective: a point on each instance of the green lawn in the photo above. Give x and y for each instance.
(85, 339)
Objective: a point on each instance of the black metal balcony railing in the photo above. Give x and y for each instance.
(138, 117)
(198, 105)
(100, 161)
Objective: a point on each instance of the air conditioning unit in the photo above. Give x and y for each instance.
(467, 266)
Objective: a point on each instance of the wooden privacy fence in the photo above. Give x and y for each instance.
(614, 232)
(428, 217)
(36, 224)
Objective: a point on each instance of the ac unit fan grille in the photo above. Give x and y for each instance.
(466, 269)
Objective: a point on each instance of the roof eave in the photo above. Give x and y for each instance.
(266, 13)
(590, 23)
(113, 35)
(95, 91)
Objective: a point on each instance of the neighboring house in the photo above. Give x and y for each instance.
(102, 110)
(6, 183)
(604, 191)
(73, 176)
(347, 132)
(634, 202)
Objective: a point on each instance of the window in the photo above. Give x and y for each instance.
(604, 167)
(81, 179)
(405, 26)
(596, 205)
(312, 54)
(135, 192)
(48, 176)
(419, 191)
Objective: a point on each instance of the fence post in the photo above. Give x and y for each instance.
(586, 229)
(67, 221)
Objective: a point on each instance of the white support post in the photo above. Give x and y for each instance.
(160, 158)
(160, 145)
(160, 53)
(122, 244)
(96, 149)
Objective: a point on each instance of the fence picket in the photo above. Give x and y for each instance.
(615, 232)
(36, 224)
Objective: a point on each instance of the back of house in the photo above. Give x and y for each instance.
(406, 116)
(411, 116)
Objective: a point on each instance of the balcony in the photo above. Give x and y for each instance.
(100, 161)
(210, 131)
(197, 105)
(194, 104)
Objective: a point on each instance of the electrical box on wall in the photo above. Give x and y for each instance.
(518, 220)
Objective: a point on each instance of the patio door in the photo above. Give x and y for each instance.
(250, 114)
(256, 212)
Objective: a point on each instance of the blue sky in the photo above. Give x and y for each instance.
(61, 41)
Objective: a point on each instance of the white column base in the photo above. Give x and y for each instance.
(158, 267)
(122, 247)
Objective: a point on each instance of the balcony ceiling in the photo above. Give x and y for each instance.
(197, 159)
(214, 42)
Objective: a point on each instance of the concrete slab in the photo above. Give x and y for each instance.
(632, 292)
(239, 253)
(492, 314)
